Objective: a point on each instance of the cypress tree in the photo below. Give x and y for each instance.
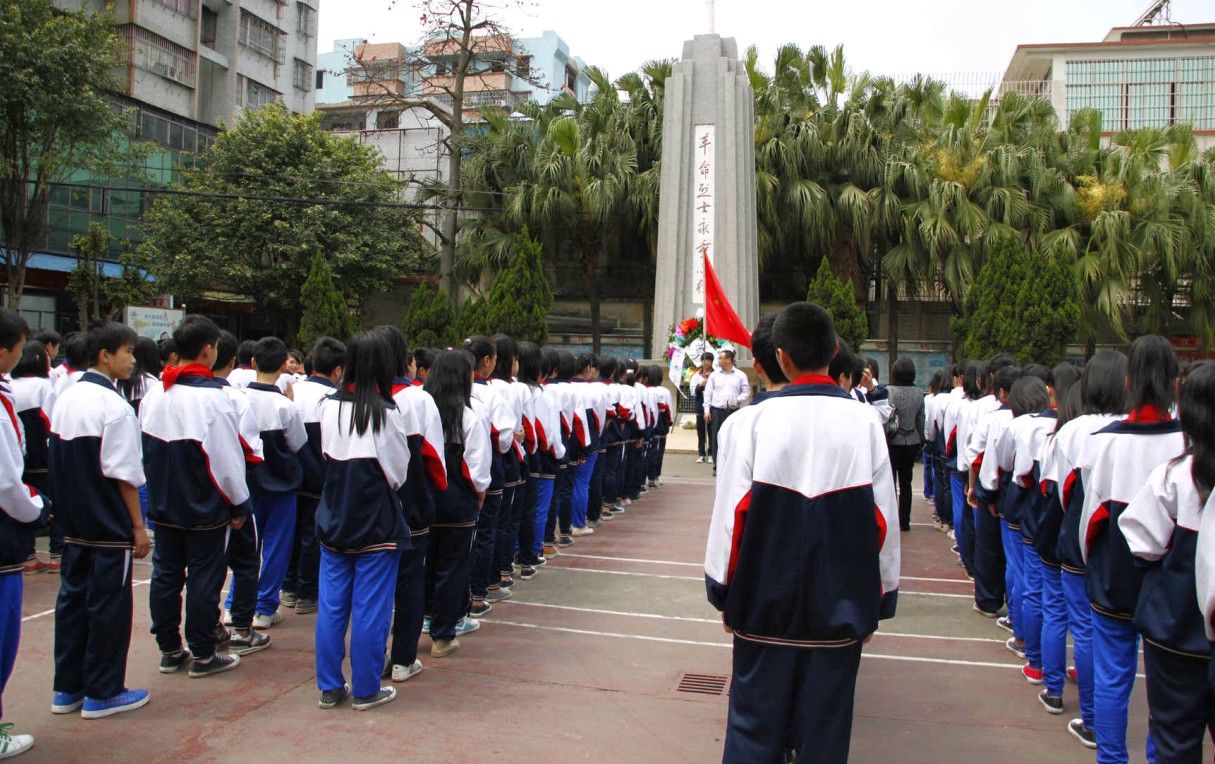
(325, 312)
(430, 320)
(473, 319)
(520, 298)
(839, 299)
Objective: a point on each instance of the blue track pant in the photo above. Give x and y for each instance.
(957, 493)
(356, 591)
(1031, 604)
(582, 489)
(1014, 556)
(1115, 658)
(1054, 630)
(275, 514)
(1080, 623)
(544, 500)
(11, 586)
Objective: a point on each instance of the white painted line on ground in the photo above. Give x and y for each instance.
(44, 613)
(716, 621)
(630, 559)
(937, 594)
(966, 581)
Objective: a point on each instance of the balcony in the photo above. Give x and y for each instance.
(472, 82)
(501, 99)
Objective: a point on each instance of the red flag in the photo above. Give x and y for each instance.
(720, 319)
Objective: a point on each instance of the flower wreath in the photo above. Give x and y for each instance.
(684, 335)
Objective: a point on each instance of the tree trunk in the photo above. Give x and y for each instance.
(892, 324)
(590, 269)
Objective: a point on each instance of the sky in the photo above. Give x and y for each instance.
(890, 37)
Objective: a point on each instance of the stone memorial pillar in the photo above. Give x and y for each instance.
(707, 198)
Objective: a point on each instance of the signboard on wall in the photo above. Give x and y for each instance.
(156, 323)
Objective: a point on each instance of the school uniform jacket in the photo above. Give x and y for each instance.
(1204, 566)
(549, 445)
(247, 427)
(626, 412)
(427, 466)
(360, 511)
(515, 451)
(20, 505)
(95, 444)
(241, 376)
(1117, 464)
(308, 396)
(70, 376)
(1160, 526)
(950, 417)
(798, 552)
(1069, 446)
(1027, 469)
(283, 436)
(968, 420)
(1050, 511)
(33, 398)
(988, 433)
(193, 456)
(469, 464)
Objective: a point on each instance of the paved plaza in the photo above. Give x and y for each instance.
(583, 664)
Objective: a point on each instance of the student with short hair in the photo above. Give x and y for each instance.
(244, 373)
(1117, 464)
(763, 351)
(51, 340)
(542, 461)
(273, 485)
(797, 646)
(300, 582)
(95, 448)
(197, 494)
(20, 510)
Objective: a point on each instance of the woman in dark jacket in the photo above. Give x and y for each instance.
(906, 439)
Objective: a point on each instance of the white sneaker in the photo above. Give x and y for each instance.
(12, 745)
(583, 531)
(700, 460)
(709, 459)
(401, 673)
(266, 621)
(227, 619)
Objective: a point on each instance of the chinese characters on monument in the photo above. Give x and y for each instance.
(703, 207)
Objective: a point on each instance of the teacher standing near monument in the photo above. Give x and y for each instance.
(726, 391)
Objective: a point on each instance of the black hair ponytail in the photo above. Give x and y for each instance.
(367, 381)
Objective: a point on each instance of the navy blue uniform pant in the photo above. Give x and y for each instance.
(1181, 704)
(93, 621)
(245, 559)
(594, 496)
(988, 562)
(410, 602)
(448, 567)
(791, 698)
(195, 560)
(484, 571)
(302, 571)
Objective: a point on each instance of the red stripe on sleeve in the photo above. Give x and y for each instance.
(434, 466)
(740, 522)
(1095, 526)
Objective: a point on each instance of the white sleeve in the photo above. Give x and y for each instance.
(978, 440)
(392, 447)
(1149, 521)
(503, 417)
(887, 501)
(735, 464)
(249, 431)
(1204, 566)
(122, 449)
(710, 386)
(989, 471)
(477, 456)
(745, 393)
(293, 428)
(884, 409)
(16, 498)
(225, 457)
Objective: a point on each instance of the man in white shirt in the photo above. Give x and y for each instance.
(726, 391)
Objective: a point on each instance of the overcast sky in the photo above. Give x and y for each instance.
(883, 36)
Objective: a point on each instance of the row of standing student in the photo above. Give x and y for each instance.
(1075, 498)
(319, 492)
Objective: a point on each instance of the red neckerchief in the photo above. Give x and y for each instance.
(815, 379)
(1148, 414)
(170, 375)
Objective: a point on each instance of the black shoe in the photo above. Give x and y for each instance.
(249, 642)
(479, 609)
(217, 665)
(565, 541)
(541, 562)
(371, 701)
(222, 637)
(1052, 703)
(330, 698)
(304, 607)
(172, 663)
(528, 573)
(507, 582)
(1086, 736)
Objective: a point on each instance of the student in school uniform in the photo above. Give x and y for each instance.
(468, 454)
(696, 387)
(506, 365)
(486, 584)
(360, 524)
(1161, 528)
(795, 666)
(589, 403)
(51, 341)
(426, 478)
(542, 460)
(300, 582)
(197, 495)
(605, 399)
(764, 361)
(1117, 464)
(575, 431)
(934, 433)
(662, 427)
(612, 441)
(95, 448)
(955, 418)
(244, 373)
(32, 397)
(273, 486)
(988, 480)
(20, 511)
(75, 363)
(146, 374)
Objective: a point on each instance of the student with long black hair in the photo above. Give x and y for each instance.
(486, 583)
(613, 438)
(360, 524)
(1161, 528)
(1116, 465)
(468, 454)
(514, 463)
(1103, 401)
(576, 441)
(662, 427)
(33, 396)
(542, 460)
(587, 402)
(146, 374)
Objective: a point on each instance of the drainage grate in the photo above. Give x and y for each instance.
(702, 684)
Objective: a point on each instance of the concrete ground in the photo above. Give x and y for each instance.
(581, 665)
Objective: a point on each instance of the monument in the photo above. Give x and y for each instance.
(707, 195)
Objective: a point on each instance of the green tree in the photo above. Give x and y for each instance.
(97, 295)
(275, 190)
(57, 68)
(839, 299)
(473, 319)
(988, 322)
(430, 321)
(520, 298)
(326, 313)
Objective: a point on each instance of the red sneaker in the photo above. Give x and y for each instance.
(1071, 673)
(34, 565)
(53, 566)
(1031, 674)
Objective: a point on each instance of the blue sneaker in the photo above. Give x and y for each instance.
(66, 703)
(127, 700)
(467, 626)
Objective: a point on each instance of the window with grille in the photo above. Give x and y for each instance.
(258, 34)
(1139, 93)
(184, 7)
(307, 21)
(154, 53)
(304, 77)
(256, 94)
